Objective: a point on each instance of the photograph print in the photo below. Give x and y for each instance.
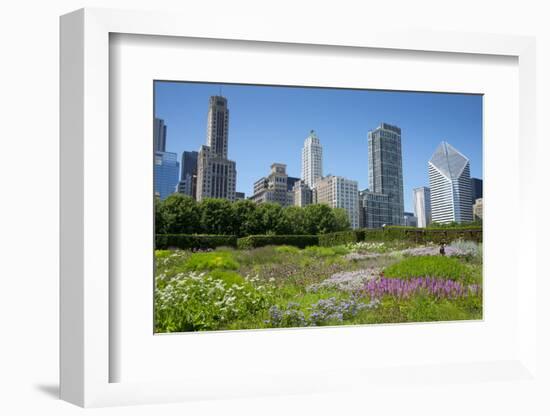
(302, 207)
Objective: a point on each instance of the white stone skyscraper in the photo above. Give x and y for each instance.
(216, 174)
(450, 185)
(386, 168)
(312, 160)
(422, 206)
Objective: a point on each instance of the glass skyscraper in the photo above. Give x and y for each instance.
(386, 168)
(450, 185)
(159, 135)
(188, 177)
(477, 189)
(166, 173)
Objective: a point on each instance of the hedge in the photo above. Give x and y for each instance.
(191, 241)
(341, 237)
(300, 241)
(435, 234)
(391, 233)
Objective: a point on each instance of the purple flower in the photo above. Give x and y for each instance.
(404, 289)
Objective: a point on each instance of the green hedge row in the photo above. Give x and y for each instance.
(198, 241)
(402, 233)
(190, 241)
(300, 241)
(341, 237)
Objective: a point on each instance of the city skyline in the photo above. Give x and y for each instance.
(182, 107)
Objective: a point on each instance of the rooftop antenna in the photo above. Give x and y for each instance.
(221, 91)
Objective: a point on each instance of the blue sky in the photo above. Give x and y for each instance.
(270, 124)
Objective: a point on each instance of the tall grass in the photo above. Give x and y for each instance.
(429, 266)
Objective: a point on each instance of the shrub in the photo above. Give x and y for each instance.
(194, 241)
(288, 317)
(316, 251)
(211, 261)
(429, 266)
(300, 241)
(287, 249)
(469, 249)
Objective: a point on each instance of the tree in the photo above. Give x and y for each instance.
(293, 221)
(216, 216)
(245, 219)
(342, 219)
(178, 214)
(160, 223)
(269, 215)
(319, 219)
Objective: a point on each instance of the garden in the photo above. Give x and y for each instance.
(339, 278)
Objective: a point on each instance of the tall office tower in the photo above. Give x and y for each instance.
(166, 173)
(477, 189)
(312, 160)
(274, 188)
(188, 177)
(303, 194)
(450, 185)
(339, 192)
(386, 169)
(216, 174)
(422, 206)
(217, 126)
(374, 209)
(159, 135)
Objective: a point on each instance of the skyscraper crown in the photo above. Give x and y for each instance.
(449, 161)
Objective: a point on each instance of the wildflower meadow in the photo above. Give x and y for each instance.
(287, 287)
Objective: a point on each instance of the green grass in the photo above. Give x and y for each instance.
(229, 278)
(318, 251)
(287, 249)
(431, 266)
(209, 261)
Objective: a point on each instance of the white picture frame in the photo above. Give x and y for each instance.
(87, 356)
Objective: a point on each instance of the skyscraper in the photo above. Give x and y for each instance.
(312, 160)
(339, 192)
(216, 174)
(477, 189)
(422, 206)
(159, 135)
(217, 126)
(374, 209)
(165, 173)
(386, 169)
(188, 177)
(450, 185)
